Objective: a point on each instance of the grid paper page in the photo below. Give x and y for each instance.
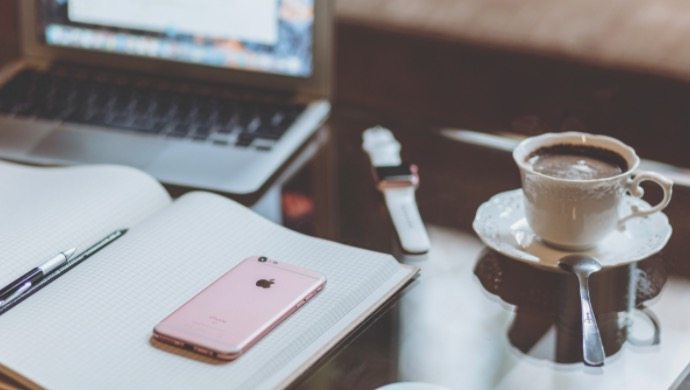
(47, 210)
(94, 330)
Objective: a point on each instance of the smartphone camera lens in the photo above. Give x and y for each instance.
(262, 259)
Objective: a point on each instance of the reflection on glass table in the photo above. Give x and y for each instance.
(547, 311)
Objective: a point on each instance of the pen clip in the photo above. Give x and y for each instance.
(21, 290)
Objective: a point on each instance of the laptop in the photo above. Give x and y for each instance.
(199, 93)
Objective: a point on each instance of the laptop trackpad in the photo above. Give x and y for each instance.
(99, 146)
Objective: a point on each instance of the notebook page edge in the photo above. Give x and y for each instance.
(16, 377)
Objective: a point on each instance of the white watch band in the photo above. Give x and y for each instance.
(384, 150)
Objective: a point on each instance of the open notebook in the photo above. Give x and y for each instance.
(91, 327)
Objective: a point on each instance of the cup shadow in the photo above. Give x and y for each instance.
(547, 323)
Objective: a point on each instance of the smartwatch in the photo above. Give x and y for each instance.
(398, 182)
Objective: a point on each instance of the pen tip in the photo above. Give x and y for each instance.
(68, 253)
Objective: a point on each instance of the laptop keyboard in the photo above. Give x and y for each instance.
(145, 106)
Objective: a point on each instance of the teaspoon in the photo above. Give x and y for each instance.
(583, 266)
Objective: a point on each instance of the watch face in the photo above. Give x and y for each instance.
(396, 175)
(394, 172)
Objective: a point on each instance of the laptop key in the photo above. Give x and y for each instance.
(228, 128)
(97, 118)
(203, 130)
(180, 130)
(269, 134)
(77, 115)
(159, 126)
(277, 118)
(245, 139)
(17, 87)
(253, 125)
(46, 112)
(140, 124)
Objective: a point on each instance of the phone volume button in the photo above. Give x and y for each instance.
(203, 351)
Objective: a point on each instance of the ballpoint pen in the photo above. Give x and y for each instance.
(26, 290)
(21, 290)
(35, 275)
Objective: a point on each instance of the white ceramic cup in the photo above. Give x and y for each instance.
(577, 214)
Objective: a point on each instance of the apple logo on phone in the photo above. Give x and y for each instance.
(265, 283)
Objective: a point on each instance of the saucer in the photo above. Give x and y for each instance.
(500, 223)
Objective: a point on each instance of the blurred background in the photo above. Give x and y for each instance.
(618, 67)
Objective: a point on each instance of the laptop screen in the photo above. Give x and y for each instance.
(270, 36)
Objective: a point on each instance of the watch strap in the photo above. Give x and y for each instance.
(384, 150)
(402, 207)
(382, 147)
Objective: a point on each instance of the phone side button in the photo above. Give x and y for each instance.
(203, 351)
(300, 304)
(168, 340)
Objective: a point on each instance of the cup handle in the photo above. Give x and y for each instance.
(656, 339)
(633, 186)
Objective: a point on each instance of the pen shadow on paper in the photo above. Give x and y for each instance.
(185, 353)
(547, 321)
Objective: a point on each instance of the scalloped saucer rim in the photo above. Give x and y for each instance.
(500, 223)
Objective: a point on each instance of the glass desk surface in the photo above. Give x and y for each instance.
(475, 319)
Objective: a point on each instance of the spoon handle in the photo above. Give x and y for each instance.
(592, 349)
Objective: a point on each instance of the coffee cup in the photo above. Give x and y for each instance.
(575, 187)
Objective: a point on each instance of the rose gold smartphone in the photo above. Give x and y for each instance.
(239, 308)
